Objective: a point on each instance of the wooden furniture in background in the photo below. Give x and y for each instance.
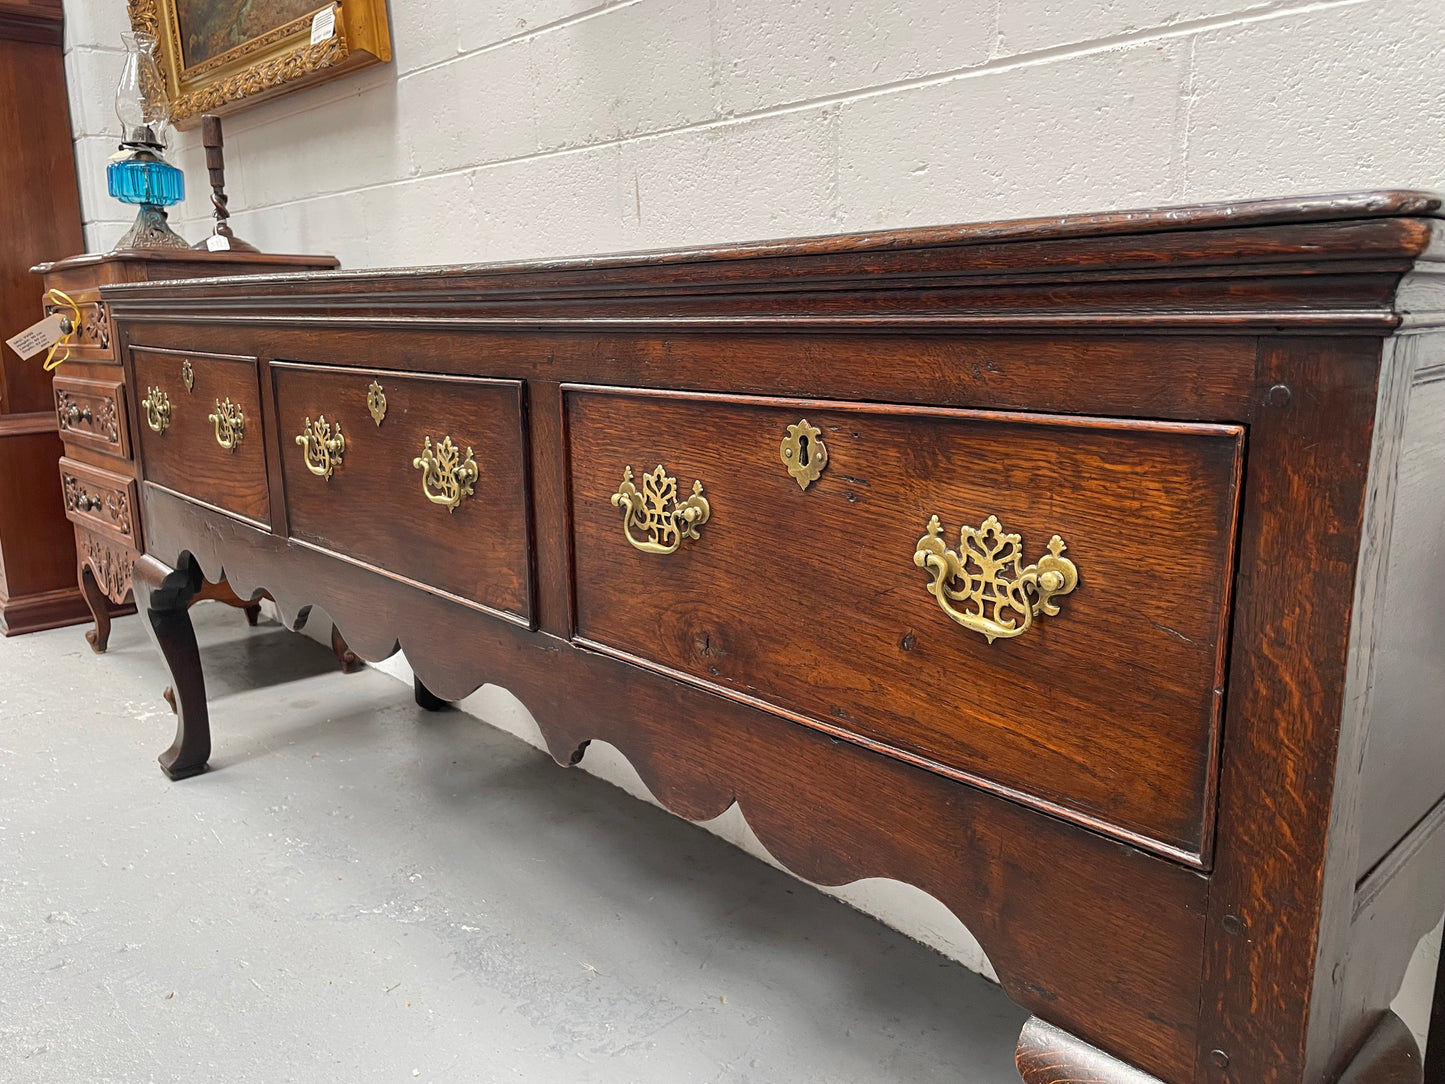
(1082, 572)
(39, 215)
(97, 470)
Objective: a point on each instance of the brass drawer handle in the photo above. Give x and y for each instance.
(446, 475)
(157, 406)
(75, 413)
(323, 445)
(230, 424)
(986, 576)
(655, 510)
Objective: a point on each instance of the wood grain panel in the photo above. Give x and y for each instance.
(373, 507)
(811, 600)
(186, 457)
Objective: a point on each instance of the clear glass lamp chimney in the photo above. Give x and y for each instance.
(141, 104)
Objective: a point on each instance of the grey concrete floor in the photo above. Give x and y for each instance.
(362, 891)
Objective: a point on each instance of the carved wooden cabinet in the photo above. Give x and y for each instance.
(1082, 572)
(97, 470)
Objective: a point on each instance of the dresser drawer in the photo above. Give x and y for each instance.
(100, 500)
(199, 424)
(361, 487)
(90, 341)
(91, 414)
(816, 600)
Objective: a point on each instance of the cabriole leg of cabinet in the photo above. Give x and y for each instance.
(349, 661)
(163, 596)
(99, 637)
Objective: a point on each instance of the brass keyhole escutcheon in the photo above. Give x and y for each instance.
(188, 374)
(804, 453)
(376, 403)
(157, 407)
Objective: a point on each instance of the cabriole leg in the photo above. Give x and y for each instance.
(99, 637)
(163, 596)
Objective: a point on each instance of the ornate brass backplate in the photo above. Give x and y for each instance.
(323, 445)
(1001, 599)
(376, 403)
(804, 453)
(446, 475)
(188, 374)
(157, 407)
(230, 424)
(655, 511)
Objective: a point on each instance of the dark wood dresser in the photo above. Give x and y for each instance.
(1083, 572)
(97, 470)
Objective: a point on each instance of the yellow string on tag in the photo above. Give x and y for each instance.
(60, 297)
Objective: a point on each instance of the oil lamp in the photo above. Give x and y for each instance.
(138, 174)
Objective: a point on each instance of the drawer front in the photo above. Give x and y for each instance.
(100, 500)
(199, 427)
(815, 599)
(90, 341)
(91, 414)
(460, 528)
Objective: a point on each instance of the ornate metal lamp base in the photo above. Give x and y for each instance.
(150, 230)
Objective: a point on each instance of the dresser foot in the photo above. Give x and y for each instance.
(426, 698)
(1050, 1055)
(253, 613)
(99, 637)
(349, 660)
(162, 595)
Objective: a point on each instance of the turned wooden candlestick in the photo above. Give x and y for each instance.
(216, 167)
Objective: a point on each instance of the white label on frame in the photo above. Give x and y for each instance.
(323, 25)
(37, 337)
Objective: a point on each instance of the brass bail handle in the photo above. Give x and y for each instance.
(68, 327)
(447, 476)
(654, 510)
(984, 585)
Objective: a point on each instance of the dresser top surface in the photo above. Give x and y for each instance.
(1247, 262)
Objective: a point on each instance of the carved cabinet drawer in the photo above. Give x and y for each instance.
(199, 425)
(1055, 634)
(89, 339)
(421, 477)
(91, 413)
(100, 500)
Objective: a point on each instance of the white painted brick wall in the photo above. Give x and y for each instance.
(520, 128)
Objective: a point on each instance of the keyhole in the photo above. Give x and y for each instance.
(803, 449)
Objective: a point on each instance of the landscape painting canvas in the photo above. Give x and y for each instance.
(219, 56)
(212, 27)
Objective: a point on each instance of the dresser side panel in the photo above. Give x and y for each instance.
(1403, 772)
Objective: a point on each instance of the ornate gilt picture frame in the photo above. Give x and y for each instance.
(220, 56)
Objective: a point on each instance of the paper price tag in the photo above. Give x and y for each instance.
(37, 337)
(323, 25)
(217, 243)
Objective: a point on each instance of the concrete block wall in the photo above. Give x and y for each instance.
(523, 128)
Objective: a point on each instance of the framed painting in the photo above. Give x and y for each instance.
(220, 56)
